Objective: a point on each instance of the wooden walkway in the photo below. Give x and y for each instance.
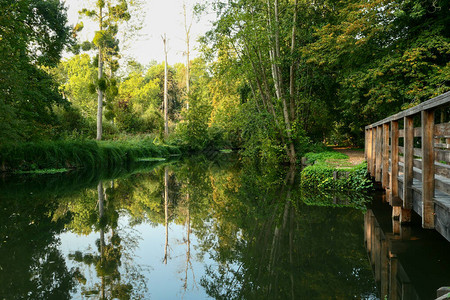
(409, 153)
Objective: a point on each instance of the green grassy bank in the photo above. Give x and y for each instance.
(330, 171)
(62, 155)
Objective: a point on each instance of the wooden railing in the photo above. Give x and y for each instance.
(413, 162)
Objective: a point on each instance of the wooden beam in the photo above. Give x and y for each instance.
(442, 130)
(427, 169)
(378, 154)
(405, 215)
(366, 143)
(409, 157)
(430, 104)
(385, 157)
(369, 150)
(417, 132)
(442, 155)
(372, 162)
(394, 159)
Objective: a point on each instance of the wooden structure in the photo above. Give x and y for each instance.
(383, 249)
(409, 153)
(406, 265)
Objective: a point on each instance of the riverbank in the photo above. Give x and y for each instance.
(60, 156)
(340, 169)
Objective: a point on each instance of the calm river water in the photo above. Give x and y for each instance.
(205, 229)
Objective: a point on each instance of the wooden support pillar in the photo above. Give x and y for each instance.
(405, 215)
(409, 162)
(385, 157)
(378, 150)
(427, 169)
(366, 143)
(396, 226)
(374, 138)
(368, 147)
(394, 160)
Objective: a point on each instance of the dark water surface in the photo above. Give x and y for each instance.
(204, 229)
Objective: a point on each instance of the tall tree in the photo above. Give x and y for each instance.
(187, 30)
(257, 31)
(33, 35)
(108, 14)
(166, 96)
(315, 65)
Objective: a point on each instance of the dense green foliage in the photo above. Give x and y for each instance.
(327, 178)
(79, 154)
(32, 36)
(274, 77)
(333, 66)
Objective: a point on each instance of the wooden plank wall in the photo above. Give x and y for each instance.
(416, 177)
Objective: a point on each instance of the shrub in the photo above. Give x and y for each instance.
(322, 177)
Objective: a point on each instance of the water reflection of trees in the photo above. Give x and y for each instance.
(31, 265)
(270, 245)
(264, 241)
(112, 251)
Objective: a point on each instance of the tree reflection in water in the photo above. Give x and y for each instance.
(31, 265)
(247, 234)
(115, 282)
(282, 248)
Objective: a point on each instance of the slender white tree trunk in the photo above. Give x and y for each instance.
(187, 29)
(166, 101)
(292, 89)
(100, 76)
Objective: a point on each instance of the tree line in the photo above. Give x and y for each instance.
(274, 77)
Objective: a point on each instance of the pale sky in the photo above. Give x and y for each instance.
(161, 16)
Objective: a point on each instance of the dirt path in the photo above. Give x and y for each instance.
(355, 157)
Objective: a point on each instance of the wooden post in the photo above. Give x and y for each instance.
(366, 143)
(372, 151)
(378, 154)
(394, 160)
(369, 151)
(405, 215)
(385, 156)
(427, 169)
(409, 162)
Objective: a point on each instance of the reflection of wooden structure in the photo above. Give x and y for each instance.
(417, 178)
(408, 262)
(383, 249)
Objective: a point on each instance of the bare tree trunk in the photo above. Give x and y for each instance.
(275, 53)
(166, 101)
(187, 29)
(293, 64)
(99, 89)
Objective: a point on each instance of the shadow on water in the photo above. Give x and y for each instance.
(409, 263)
(195, 228)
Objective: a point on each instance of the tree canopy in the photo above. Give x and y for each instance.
(32, 37)
(274, 76)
